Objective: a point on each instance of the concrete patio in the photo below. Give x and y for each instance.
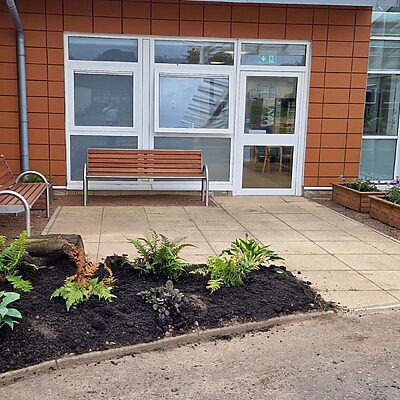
(346, 261)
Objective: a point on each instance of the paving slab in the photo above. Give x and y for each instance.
(342, 257)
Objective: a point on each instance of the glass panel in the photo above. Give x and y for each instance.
(382, 105)
(102, 49)
(193, 102)
(270, 105)
(103, 100)
(377, 158)
(267, 167)
(194, 52)
(384, 54)
(385, 24)
(216, 152)
(273, 54)
(80, 144)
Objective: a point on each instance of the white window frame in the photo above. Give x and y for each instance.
(396, 169)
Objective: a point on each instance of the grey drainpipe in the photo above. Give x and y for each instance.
(23, 108)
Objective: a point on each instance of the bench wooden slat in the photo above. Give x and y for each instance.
(144, 152)
(30, 191)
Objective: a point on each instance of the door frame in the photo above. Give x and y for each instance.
(297, 140)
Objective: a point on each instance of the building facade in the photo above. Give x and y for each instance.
(273, 94)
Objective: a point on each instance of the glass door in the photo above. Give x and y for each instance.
(271, 128)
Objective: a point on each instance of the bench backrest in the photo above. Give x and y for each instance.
(151, 163)
(6, 176)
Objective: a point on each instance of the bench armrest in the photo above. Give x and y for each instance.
(32, 173)
(204, 169)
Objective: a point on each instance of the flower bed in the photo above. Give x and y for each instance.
(136, 302)
(351, 198)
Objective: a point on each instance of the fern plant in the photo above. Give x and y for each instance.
(8, 316)
(83, 285)
(235, 263)
(10, 259)
(159, 255)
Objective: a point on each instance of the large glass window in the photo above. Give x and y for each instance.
(378, 158)
(80, 144)
(273, 54)
(384, 55)
(270, 105)
(267, 167)
(215, 151)
(385, 23)
(193, 102)
(382, 105)
(194, 52)
(103, 99)
(102, 49)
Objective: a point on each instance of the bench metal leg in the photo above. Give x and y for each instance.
(206, 191)
(85, 185)
(48, 201)
(26, 207)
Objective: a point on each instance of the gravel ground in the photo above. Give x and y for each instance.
(364, 218)
(350, 357)
(11, 225)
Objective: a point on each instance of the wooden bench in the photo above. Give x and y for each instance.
(16, 196)
(125, 164)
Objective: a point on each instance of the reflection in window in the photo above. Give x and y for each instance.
(273, 54)
(215, 152)
(385, 24)
(377, 158)
(384, 55)
(193, 102)
(382, 105)
(270, 105)
(103, 100)
(193, 52)
(102, 49)
(267, 167)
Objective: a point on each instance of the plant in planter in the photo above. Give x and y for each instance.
(387, 208)
(8, 316)
(355, 194)
(84, 284)
(235, 263)
(10, 260)
(159, 255)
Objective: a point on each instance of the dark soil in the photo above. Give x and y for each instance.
(11, 225)
(48, 331)
(364, 218)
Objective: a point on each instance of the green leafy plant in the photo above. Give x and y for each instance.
(159, 255)
(83, 285)
(10, 260)
(393, 194)
(164, 299)
(361, 185)
(235, 263)
(8, 316)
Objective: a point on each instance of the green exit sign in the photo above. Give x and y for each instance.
(267, 59)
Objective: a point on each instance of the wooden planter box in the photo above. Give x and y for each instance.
(350, 198)
(385, 211)
(41, 202)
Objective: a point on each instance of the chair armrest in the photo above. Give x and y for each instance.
(32, 173)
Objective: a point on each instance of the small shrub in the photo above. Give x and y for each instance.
(159, 255)
(164, 299)
(235, 263)
(393, 194)
(83, 285)
(10, 259)
(362, 185)
(8, 316)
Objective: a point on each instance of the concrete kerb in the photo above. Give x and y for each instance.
(8, 378)
(51, 221)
